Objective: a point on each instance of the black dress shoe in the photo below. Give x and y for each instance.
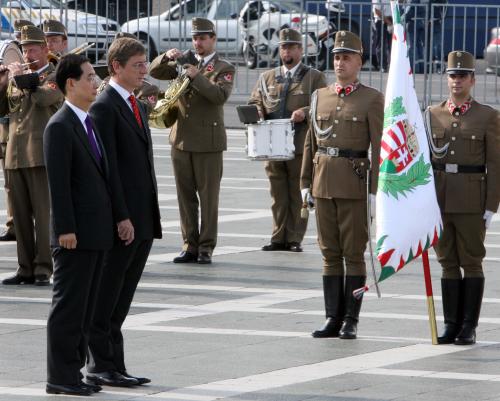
(141, 380)
(42, 280)
(94, 387)
(294, 247)
(16, 279)
(204, 258)
(186, 257)
(70, 389)
(274, 246)
(111, 378)
(7, 236)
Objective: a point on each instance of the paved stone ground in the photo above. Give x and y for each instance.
(239, 329)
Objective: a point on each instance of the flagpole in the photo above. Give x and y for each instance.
(430, 297)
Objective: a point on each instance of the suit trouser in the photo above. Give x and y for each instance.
(29, 192)
(342, 235)
(284, 177)
(461, 245)
(123, 267)
(198, 174)
(10, 221)
(76, 281)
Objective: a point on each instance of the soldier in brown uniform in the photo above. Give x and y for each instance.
(467, 177)
(346, 120)
(29, 107)
(198, 139)
(285, 92)
(56, 37)
(9, 234)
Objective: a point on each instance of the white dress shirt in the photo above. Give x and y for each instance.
(206, 59)
(125, 94)
(82, 115)
(292, 71)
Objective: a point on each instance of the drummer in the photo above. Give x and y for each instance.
(56, 36)
(285, 92)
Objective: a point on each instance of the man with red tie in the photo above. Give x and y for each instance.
(123, 123)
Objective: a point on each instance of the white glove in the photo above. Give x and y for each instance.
(373, 206)
(488, 215)
(307, 197)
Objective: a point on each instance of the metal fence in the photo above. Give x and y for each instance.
(248, 31)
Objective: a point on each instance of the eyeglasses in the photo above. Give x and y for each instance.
(140, 65)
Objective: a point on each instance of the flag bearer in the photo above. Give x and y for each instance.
(346, 120)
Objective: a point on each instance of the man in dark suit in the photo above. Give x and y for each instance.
(81, 224)
(127, 139)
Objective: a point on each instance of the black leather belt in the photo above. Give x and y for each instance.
(458, 168)
(349, 153)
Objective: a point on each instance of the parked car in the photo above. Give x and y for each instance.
(261, 22)
(81, 26)
(173, 27)
(492, 52)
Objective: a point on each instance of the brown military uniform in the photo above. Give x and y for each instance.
(29, 112)
(340, 191)
(4, 135)
(198, 139)
(284, 176)
(474, 139)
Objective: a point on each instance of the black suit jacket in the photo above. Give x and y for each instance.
(131, 165)
(78, 183)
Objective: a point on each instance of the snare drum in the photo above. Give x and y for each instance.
(271, 140)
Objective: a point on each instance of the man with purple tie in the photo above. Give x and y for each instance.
(81, 224)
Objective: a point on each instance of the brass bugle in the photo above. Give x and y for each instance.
(24, 65)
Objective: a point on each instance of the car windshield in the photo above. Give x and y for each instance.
(287, 7)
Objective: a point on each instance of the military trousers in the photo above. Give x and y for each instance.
(29, 191)
(462, 245)
(197, 178)
(284, 179)
(342, 235)
(10, 221)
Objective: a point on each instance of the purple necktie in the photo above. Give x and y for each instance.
(92, 141)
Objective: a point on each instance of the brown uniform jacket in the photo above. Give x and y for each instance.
(27, 123)
(200, 119)
(474, 140)
(357, 121)
(298, 97)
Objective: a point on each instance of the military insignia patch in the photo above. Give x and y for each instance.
(228, 77)
(52, 85)
(210, 67)
(152, 99)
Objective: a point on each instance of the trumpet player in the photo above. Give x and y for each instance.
(29, 100)
(287, 94)
(56, 36)
(198, 139)
(466, 136)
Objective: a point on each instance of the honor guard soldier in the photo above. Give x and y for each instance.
(18, 24)
(30, 100)
(56, 36)
(198, 139)
(466, 163)
(285, 92)
(346, 120)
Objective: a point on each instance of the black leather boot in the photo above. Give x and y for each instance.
(349, 329)
(473, 297)
(451, 290)
(333, 292)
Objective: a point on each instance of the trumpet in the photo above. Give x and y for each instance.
(54, 58)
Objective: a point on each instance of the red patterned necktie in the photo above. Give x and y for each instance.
(135, 109)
